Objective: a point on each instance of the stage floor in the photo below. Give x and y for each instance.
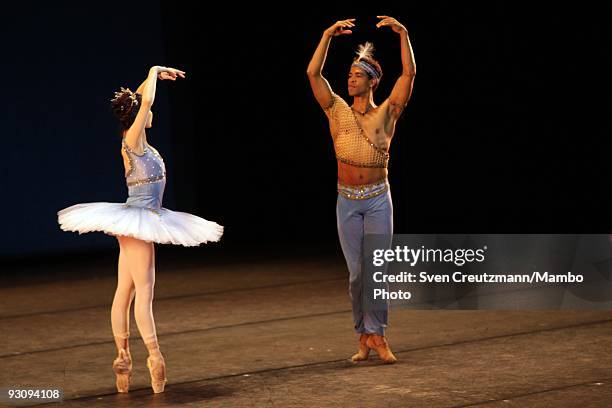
(278, 332)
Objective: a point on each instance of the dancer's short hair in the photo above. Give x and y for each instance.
(125, 106)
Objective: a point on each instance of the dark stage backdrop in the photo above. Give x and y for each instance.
(506, 130)
(61, 64)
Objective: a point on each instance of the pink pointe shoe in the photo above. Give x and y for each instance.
(157, 369)
(122, 366)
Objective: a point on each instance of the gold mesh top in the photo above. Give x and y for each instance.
(350, 142)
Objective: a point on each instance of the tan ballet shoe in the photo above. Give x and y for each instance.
(380, 344)
(157, 369)
(122, 366)
(364, 351)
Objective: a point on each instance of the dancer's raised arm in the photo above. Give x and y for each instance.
(402, 90)
(320, 87)
(147, 91)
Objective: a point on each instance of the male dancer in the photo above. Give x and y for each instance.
(362, 134)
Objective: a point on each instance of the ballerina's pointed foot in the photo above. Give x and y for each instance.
(122, 366)
(157, 369)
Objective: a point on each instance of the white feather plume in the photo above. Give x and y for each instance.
(365, 51)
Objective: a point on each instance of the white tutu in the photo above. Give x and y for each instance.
(161, 225)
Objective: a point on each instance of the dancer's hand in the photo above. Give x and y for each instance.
(391, 22)
(169, 73)
(339, 28)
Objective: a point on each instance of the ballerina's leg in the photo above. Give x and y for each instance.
(124, 294)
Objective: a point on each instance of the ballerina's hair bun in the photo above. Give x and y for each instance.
(125, 106)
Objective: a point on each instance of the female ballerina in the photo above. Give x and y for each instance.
(137, 224)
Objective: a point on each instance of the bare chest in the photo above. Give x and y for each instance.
(374, 126)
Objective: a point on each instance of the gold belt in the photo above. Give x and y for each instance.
(363, 191)
(145, 181)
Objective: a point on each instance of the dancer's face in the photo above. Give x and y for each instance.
(149, 120)
(358, 82)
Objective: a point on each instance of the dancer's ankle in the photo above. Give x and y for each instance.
(122, 342)
(153, 349)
